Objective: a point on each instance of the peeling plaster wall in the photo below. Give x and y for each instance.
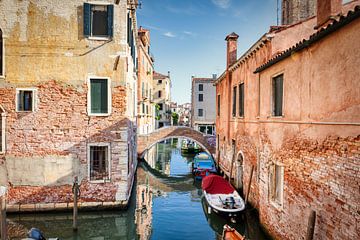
(321, 161)
(45, 49)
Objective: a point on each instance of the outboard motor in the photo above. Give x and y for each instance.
(36, 234)
(230, 201)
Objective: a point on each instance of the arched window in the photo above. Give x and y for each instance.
(2, 130)
(1, 54)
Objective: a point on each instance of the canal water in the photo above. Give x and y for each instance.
(166, 203)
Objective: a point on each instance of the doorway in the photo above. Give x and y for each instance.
(239, 170)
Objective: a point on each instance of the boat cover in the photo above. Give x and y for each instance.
(214, 184)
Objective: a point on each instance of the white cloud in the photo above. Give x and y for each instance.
(169, 34)
(189, 33)
(222, 3)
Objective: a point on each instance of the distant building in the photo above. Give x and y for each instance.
(146, 108)
(203, 113)
(294, 11)
(162, 99)
(184, 111)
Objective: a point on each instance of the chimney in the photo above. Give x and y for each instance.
(231, 52)
(169, 74)
(214, 76)
(327, 9)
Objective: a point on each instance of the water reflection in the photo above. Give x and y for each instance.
(166, 203)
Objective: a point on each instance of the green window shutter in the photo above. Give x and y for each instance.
(110, 22)
(87, 19)
(129, 22)
(99, 95)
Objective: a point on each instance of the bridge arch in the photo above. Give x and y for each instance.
(145, 142)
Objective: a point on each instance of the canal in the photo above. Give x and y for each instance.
(166, 203)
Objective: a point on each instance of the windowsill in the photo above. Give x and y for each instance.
(99, 114)
(99, 38)
(24, 111)
(241, 117)
(272, 116)
(100, 181)
(2, 76)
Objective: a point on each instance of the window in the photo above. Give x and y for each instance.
(277, 95)
(25, 100)
(201, 97)
(2, 130)
(1, 54)
(160, 106)
(159, 81)
(218, 105)
(201, 87)
(241, 100)
(234, 102)
(98, 20)
(99, 96)
(276, 184)
(200, 112)
(99, 161)
(202, 129)
(159, 94)
(143, 89)
(143, 108)
(209, 130)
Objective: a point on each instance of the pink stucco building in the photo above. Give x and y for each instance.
(295, 117)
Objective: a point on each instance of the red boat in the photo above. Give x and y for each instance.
(221, 196)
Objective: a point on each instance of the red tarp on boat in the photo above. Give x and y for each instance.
(215, 184)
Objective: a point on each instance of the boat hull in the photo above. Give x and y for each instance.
(224, 210)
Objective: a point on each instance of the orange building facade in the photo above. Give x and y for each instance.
(290, 108)
(146, 107)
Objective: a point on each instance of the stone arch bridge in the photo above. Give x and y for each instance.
(145, 142)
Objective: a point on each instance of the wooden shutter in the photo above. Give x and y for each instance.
(278, 95)
(99, 96)
(241, 100)
(1, 53)
(110, 20)
(87, 19)
(129, 22)
(234, 102)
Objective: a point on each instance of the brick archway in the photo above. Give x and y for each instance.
(145, 142)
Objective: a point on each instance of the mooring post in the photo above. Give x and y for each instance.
(311, 225)
(249, 185)
(3, 213)
(75, 209)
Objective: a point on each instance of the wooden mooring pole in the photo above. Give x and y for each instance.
(3, 227)
(249, 185)
(311, 226)
(76, 193)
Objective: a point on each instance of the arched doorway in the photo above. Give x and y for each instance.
(239, 170)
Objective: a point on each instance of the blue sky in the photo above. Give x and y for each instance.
(187, 36)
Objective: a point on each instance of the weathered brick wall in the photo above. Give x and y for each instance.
(316, 139)
(320, 175)
(294, 11)
(46, 49)
(38, 144)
